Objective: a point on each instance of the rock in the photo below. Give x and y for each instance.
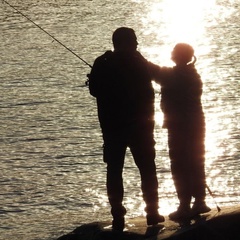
(224, 225)
(95, 231)
(84, 232)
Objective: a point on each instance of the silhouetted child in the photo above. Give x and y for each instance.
(181, 90)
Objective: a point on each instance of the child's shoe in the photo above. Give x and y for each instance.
(199, 207)
(153, 219)
(182, 213)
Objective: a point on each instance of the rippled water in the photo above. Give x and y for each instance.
(52, 178)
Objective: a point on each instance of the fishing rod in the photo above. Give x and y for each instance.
(211, 194)
(55, 39)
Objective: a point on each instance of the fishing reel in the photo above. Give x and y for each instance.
(87, 82)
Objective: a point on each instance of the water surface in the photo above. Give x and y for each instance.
(52, 176)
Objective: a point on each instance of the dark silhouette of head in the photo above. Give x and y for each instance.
(124, 39)
(182, 54)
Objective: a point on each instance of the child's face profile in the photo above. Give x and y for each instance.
(173, 55)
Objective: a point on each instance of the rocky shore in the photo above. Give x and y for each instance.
(223, 225)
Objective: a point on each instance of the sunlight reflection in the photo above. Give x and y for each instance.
(175, 21)
(167, 206)
(158, 117)
(184, 18)
(211, 140)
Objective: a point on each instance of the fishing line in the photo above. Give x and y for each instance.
(55, 39)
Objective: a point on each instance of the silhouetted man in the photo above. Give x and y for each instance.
(121, 83)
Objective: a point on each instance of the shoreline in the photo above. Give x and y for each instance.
(210, 226)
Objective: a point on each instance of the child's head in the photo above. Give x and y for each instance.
(182, 53)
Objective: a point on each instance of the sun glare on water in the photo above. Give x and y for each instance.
(175, 21)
